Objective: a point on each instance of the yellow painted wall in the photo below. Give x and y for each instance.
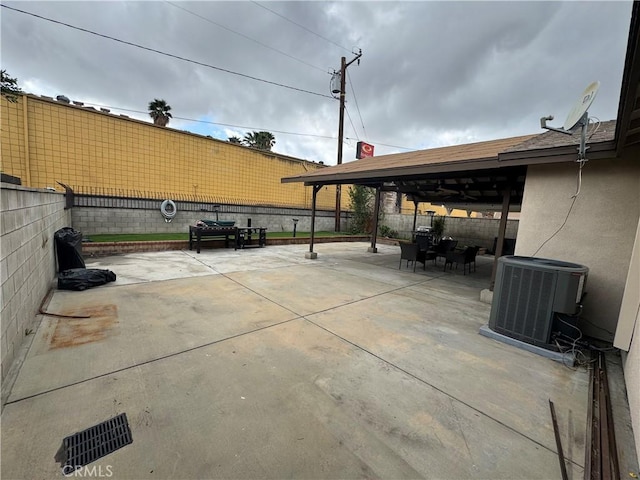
(13, 145)
(99, 152)
(408, 207)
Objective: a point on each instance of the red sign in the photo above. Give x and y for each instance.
(364, 150)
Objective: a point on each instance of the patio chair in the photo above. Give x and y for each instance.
(424, 242)
(411, 253)
(467, 256)
(426, 248)
(444, 247)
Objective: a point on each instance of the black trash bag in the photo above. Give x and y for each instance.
(69, 249)
(83, 278)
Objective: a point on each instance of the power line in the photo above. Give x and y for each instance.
(245, 36)
(216, 123)
(301, 26)
(184, 59)
(385, 144)
(351, 121)
(357, 107)
(328, 137)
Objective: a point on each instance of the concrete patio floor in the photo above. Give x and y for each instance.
(263, 364)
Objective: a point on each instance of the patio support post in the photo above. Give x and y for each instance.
(415, 219)
(506, 200)
(376, 212)
(311, 254)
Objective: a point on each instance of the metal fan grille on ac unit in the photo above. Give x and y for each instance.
(524, 308)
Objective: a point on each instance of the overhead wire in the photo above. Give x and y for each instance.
(336, 44)
(357, 107)
(351, 122)
(301, 26)
(284, 132)
(387, 144)
(160, 52)
(244, 36)
(217, 123)
(231, 72)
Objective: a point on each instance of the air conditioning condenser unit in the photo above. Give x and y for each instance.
(530, 291)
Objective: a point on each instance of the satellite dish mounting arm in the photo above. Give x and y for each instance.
(584, 125)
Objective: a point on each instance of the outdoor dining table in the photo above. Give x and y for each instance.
(251, 237)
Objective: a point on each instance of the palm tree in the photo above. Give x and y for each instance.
(266, 141)
(236, 140)
(159, 111)
(259, 140)
(10, 88)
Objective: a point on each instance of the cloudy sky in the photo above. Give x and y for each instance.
(431, 73)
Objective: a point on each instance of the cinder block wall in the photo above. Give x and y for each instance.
(30, 218)
(468, 231)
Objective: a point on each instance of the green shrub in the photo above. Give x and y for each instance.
(362, 203)
(388, 232)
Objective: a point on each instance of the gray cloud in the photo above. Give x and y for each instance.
(432, 73)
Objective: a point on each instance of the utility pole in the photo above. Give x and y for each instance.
(343, 74)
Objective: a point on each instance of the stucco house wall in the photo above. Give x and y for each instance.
(599, 232)
(631, 365)
(628, 338)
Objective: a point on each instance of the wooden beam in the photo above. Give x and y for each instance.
(376, 212)
(506, 200)
(316, 189)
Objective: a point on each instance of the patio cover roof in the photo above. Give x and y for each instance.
(470, 176)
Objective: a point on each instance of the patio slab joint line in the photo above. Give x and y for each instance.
(406, 372)
(153, 360)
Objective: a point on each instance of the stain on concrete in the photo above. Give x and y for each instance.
(71, 332)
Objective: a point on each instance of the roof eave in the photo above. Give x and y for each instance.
(627, 127)
(567, 153)
(383, 174)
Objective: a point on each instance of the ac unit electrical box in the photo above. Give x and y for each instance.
(529, 291)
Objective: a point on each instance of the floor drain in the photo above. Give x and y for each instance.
(84, 447)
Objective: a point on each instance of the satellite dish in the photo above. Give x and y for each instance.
(581, 106)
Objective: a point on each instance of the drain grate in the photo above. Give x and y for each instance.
(84, 447)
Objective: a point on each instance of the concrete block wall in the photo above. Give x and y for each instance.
(103, 220)
(468, 231)
(478, 231)
(29, 220)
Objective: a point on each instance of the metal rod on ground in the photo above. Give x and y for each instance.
(613, 447)
(605, 448)
(563, 466)
(601, 458)
(588, 457)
